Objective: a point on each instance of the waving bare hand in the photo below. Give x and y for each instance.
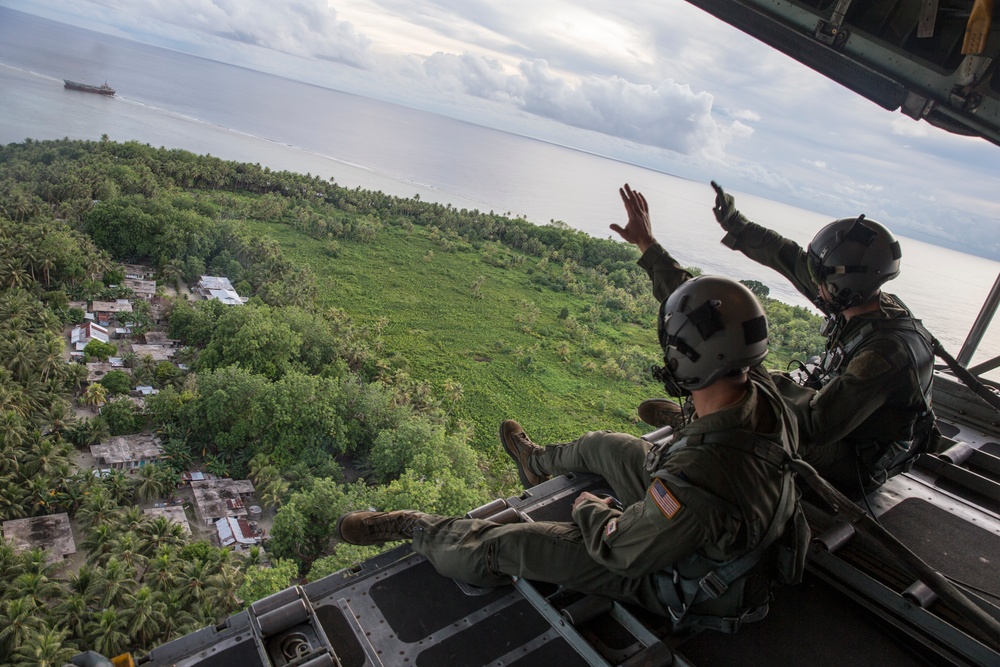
(639, 229)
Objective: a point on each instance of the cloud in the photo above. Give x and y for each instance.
(745, 114)
(308, 28)
(819, 164)
(668, 115)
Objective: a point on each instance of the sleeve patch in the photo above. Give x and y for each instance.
(869, 365)
(611, 528)
(664, 499)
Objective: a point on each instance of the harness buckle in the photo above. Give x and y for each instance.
(712, 585)
(677, 616)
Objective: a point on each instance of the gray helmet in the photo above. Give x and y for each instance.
(709, 327)
(852, 258)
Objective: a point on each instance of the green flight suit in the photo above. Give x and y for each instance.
(873, 403)
(619, 554)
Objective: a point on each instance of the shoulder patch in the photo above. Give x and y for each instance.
(868, 365)
(611, 528)
(664, 499)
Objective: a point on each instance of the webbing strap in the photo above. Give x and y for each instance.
(717, 582)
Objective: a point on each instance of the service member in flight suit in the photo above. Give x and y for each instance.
(705, 501)
(869, 401)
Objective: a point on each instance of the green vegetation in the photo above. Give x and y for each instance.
(384, 341)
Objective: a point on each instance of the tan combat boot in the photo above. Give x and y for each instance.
(520, 447)
(368, 528)
(659, 412)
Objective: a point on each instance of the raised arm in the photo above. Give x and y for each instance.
(664, 272)
(763, 245)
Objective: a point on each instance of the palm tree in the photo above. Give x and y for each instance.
(127, 548)
(36, 561)
(13, 430)
(131, 519)
(99, 543)
(83, 581)
(273, 493)
(13, 499)
(71, 613)
(59, 419)
(150, 483)
(97, 431)
(178, 617)
(18, 618)
(95, 395)
(11, 563)
(105, 633)
(37, 587)
(192, 579)
(161, 572)
(178, 454)
(44, 648)
(170, 479)
(161, 532)
(50, 360)
(46, 457)
(119, 486)
(76, 376)
(98, 507)
(225, 584)
(172, 272)
(116, 580)
(144, 616)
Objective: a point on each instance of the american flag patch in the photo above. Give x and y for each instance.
(664, 499)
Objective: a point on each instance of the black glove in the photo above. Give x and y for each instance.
(728, 216)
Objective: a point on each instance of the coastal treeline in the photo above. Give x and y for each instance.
(383, 340)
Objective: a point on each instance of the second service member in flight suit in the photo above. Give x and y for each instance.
(868, 401)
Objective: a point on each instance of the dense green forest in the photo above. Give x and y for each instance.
(383, 342)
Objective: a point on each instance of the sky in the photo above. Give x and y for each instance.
(657, 83)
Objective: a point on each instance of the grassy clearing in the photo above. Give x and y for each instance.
(451, 317)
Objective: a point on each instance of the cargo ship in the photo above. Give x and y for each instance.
(103, 89)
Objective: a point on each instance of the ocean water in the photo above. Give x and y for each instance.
(166, 98)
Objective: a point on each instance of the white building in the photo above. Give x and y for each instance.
(220, 289)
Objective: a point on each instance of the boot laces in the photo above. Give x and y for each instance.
(393, 526)
(525, 444)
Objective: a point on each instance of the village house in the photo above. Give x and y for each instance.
(51, 533)
(136, 271)
(220, 289)
(108, 311)
(161, 338)
(128, 452)
(96, 370)
(121, 332)
(173, 512)
(189, 476)
(144, 289)
(83, 334)
(216, 499)
(157, 352)
(236, 532)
